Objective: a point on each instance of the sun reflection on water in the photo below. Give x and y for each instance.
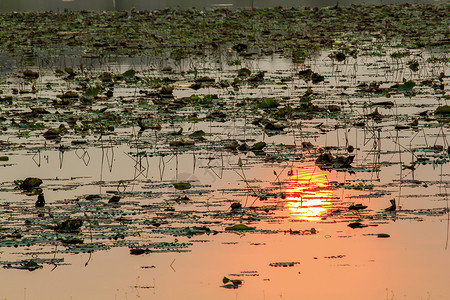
(308, 195)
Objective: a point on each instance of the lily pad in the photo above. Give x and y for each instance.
(357, 225)
(443, 110)
(130, 74)
(30, 74)
(284, 264)
(29, 183)
(197, 134)
(29, 265)
(258, 146)
(268, 103)
(69, 226)
(383, 235)
(239, 227)
(231, 283)
(358, 206)
(182, 185)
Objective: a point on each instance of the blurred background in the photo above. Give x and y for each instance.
(108, 5)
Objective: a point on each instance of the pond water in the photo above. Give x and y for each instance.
(300, 213)
(99, 5)
(233, 173)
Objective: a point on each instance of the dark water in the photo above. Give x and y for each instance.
(44, 5)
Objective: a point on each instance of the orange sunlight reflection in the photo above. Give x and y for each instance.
(308, 195)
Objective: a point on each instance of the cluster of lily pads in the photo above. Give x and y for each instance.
(183, 33)
(224, 104)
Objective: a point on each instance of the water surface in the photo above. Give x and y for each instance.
(300, 212)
